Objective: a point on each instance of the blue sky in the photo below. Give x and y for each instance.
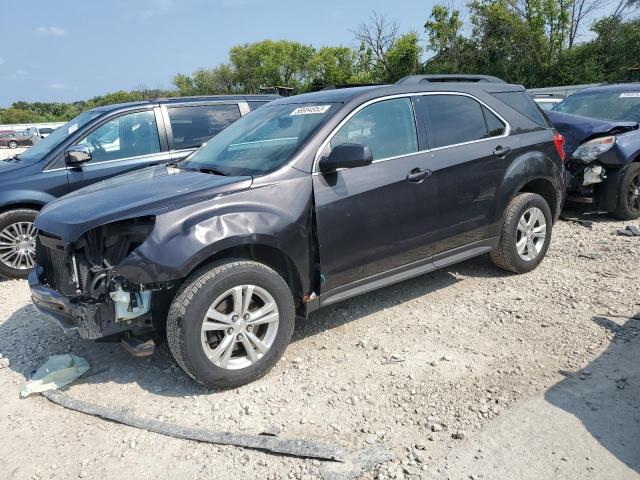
(63, 50)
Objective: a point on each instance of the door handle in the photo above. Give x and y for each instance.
(417, 175)
(501, 151)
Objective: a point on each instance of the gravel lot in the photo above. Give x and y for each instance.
(437, 369)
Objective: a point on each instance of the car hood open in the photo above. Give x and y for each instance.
(576, 129)
(146, 192)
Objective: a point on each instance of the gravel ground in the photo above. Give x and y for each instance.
(10, 152)
(419, 368)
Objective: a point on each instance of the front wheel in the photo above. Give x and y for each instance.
(628, 207)
(230, 323)
(525, 235)
(13, 144)
(17, 243)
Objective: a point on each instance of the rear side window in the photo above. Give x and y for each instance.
(451, 119)
(524, 104)
(386, 127)
(193, 126)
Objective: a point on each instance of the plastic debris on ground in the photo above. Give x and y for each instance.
(57, 371)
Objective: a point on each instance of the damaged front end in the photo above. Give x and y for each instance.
(77, 283)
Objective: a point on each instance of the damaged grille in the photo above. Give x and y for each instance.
(83, 268)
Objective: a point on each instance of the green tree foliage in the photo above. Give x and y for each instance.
(402, 58)
(532, 42)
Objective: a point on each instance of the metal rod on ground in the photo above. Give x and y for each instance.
(298, 448)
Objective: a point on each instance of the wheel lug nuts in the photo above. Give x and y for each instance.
(234, 318)
(246, 317)
(239, 336)
(249, 328)
(229, 331)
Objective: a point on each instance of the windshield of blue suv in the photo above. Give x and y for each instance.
(52, 140)
(613, 106)
(261, 141)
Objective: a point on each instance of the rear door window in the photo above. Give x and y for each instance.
(193, 126)
(452, 119)
(386, 127)
(494, 124)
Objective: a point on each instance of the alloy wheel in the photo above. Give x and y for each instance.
(633, 195)
(240, 327)
(18, 245)
(531, 234)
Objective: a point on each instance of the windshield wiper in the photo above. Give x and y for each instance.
(212, 170)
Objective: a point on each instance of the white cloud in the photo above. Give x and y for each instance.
(51, 32)
(59, 86)
(151, 8)
(19, 73)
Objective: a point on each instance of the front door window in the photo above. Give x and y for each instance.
(130, 135)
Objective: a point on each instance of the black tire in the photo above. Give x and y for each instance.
(506, 255)
(628, 207)
(8, 218)
(12, 144)
(194, 298)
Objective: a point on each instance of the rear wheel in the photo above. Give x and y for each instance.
(628, 207)
(17, 243)
(13, 144)
(526, 234)
(230, 323)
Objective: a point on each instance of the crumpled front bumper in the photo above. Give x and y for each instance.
(91, 320)
(52, 303)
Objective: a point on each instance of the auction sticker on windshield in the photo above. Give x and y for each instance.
(310, 110)
(630, 95)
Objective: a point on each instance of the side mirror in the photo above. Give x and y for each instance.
(76, 155)
(347, 155)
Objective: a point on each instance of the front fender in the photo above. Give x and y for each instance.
(22, 197)
(277, 216)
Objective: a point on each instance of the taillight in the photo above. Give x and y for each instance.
(558, 141)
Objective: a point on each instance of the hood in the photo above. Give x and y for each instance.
(10, 165)
(150, 191)
(576, 129)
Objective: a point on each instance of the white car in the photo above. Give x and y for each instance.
(547, 102)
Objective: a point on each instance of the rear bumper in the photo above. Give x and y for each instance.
(52, 303)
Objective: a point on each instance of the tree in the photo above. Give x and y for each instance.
(403, 58)
(378, 35)
(452, 53)
(270, 63)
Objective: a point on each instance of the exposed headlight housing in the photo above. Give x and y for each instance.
(589, 151)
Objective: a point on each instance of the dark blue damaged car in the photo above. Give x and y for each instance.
(305, 202)
(602, 141)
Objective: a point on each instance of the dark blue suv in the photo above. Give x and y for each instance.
(99, 144)
(601, 127)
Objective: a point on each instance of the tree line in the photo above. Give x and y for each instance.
(535, 43)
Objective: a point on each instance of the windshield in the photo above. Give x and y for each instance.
(261, 141)
(52, 140)
(613, 106)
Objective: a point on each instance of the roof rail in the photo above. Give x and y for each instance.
(448, 77)
(351, 85)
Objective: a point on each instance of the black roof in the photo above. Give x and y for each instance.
(344, 95)
(182, 100)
